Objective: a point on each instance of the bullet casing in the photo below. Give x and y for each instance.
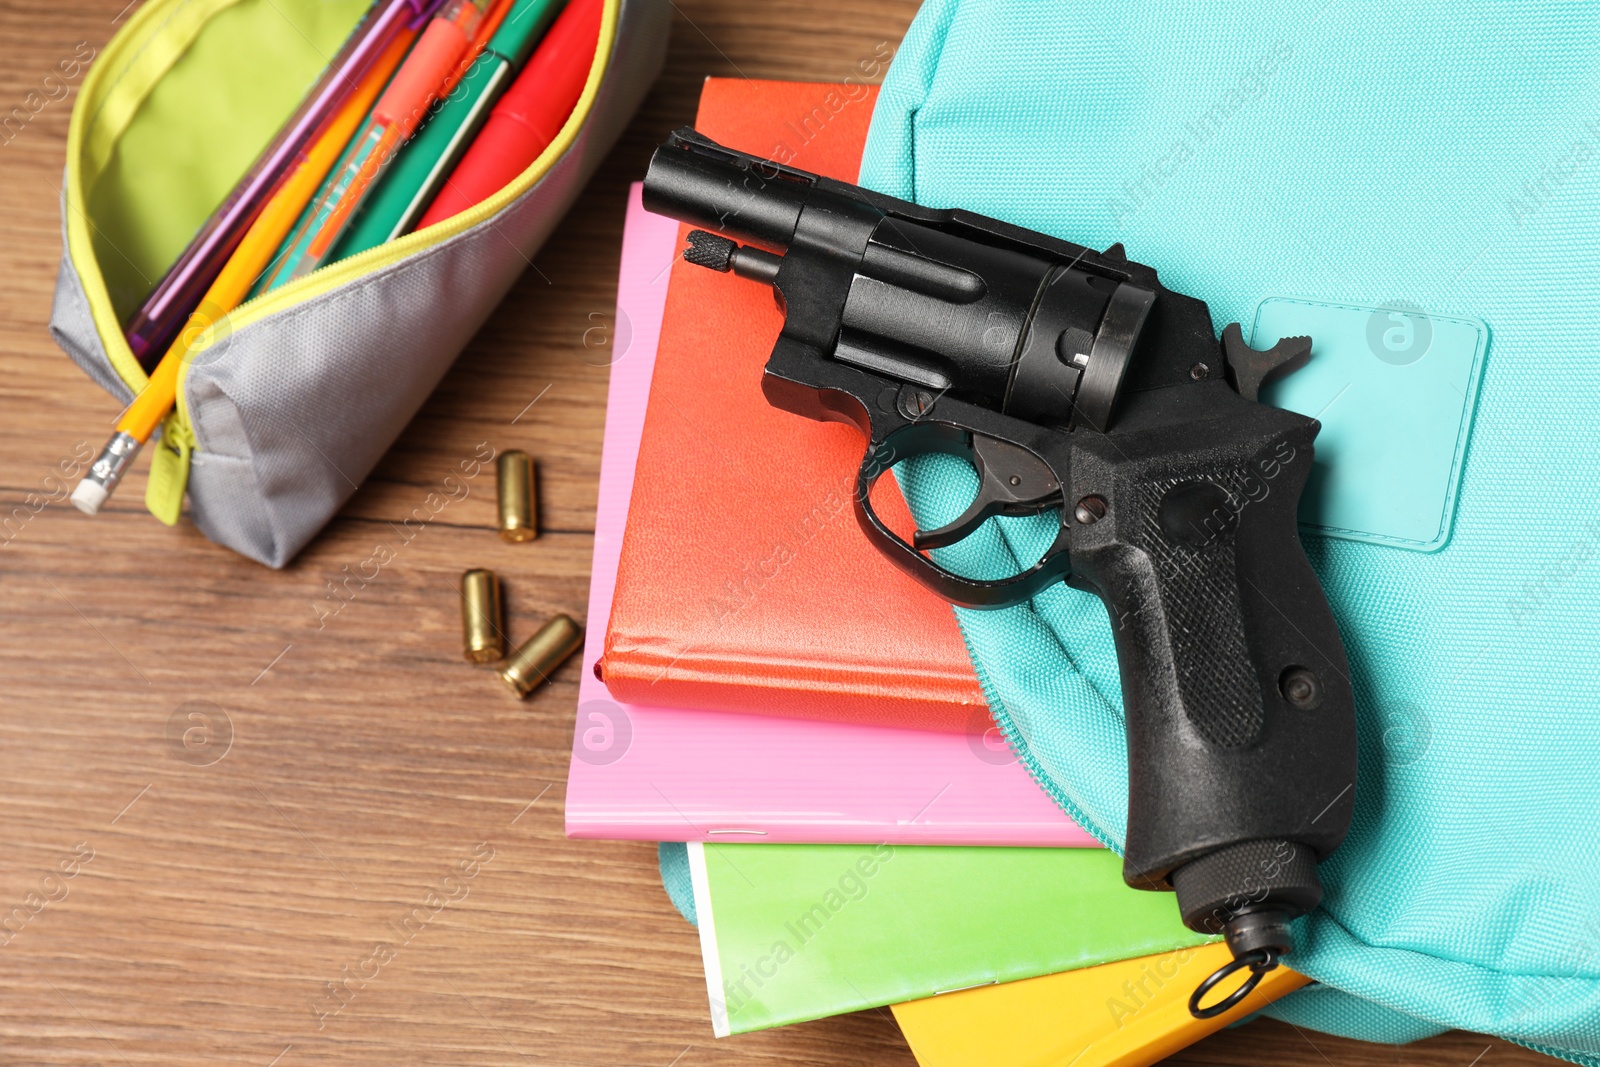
(541, 654)
(483, 638)
(518, 496)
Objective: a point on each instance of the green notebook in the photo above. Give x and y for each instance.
(795, 932)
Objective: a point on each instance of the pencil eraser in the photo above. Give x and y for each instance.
(89, 496)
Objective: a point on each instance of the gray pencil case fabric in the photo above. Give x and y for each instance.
(295, 396)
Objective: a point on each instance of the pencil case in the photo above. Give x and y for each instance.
(289, 401)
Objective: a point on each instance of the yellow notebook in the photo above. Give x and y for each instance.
(1125, 1014)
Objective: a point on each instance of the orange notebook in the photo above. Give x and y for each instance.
(745, 583)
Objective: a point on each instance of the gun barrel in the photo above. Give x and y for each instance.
(723, 196)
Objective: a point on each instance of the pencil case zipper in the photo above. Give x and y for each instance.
(186, 18)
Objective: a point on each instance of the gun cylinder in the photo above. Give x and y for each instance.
(1019, 333)
(963, 339)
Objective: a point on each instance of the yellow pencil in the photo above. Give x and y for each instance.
(233, 284)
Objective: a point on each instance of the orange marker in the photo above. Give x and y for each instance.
(426, 71)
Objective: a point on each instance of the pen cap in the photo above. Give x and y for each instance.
(422, 11)
(419, 79)
(529, 116)
(524, 25)
(543, 96)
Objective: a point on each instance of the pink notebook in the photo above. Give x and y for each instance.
(673, 774)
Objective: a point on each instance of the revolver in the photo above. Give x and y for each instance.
(1076, 385)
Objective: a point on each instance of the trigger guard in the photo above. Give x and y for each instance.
(925, 438)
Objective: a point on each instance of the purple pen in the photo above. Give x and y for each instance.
(156, 324)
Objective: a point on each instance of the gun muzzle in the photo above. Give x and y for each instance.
(712, 191)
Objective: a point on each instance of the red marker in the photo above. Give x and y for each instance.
(528, 116)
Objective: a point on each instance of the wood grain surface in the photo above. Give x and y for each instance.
(219, 888)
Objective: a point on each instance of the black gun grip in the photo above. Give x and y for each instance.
(1188, 528)
(1239, 717)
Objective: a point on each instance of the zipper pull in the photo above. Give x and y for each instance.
(169, 470)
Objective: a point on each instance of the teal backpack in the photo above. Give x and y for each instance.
(1420, 192)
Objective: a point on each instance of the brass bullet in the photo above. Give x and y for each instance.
(483, 636)
(515, 483)
(541, 654)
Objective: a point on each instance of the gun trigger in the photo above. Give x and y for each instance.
(1249, 368)
(1012, 481)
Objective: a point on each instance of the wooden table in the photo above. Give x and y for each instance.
(366, 760)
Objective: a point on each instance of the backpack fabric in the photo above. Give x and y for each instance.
(1447, 157)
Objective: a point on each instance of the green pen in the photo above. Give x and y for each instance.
(413, 177)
